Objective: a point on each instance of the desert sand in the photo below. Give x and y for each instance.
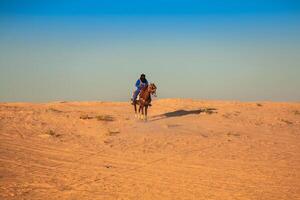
(187, 149)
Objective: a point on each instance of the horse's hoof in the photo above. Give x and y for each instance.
(142, 117)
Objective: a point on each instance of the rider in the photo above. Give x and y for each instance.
(140, 83)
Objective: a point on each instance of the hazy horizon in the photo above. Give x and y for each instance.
(90, 50)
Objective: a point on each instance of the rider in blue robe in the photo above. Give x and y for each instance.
(140, 83)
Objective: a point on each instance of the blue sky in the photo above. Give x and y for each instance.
(143, 7)
(95, 50)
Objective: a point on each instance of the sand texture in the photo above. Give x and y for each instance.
(187, 149)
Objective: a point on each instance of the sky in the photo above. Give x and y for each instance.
(87, 50)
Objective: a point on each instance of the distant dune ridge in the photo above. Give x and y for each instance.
(188, 149)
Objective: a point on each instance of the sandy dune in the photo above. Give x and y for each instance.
(187, 150)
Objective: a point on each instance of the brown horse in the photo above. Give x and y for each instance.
(144, 101)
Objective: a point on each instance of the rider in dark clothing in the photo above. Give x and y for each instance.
(140, 83)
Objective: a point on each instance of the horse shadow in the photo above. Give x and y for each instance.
(180, 113)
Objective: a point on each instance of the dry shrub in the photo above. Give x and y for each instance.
(85, 117)
(296, 112)
(53, 133)
(106, 118)
(209, 110)
(287, 122)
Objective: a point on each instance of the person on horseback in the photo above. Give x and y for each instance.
(140, 84)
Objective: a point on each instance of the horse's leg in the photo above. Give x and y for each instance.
(142, 108)
(135, 111)
(139, 115)
(146, 112)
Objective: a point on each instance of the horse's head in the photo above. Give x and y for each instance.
(152, 89)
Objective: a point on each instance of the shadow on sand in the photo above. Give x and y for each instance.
(180, 113)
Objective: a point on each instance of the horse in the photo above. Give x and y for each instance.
(144, 101)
